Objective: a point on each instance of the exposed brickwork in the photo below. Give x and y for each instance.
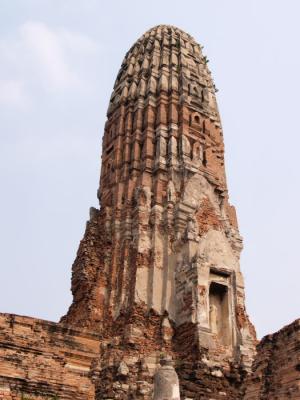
(42, 360)
(207, 218)
(276, 369)
(89, 280)
(201, 381)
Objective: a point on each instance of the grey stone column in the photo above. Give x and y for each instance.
(166, 383)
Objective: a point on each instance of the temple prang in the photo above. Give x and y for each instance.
(157, 275)
(165, 240)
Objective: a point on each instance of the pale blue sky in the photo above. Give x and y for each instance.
(58, 62)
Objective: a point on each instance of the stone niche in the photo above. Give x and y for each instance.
(221, 315)
(219, 312)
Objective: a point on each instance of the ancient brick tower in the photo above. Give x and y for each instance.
(159, 262)
(157, 273)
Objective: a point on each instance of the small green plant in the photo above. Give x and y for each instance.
(205, 60)
(216, 89)
(25, 396)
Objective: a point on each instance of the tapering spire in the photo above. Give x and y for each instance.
(165, 239)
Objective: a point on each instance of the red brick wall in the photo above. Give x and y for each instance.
(45, 360)
(276, 369)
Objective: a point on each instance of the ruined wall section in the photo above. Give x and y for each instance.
(90, 274)
(276, 368)
(42, 360)
(128, 364)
